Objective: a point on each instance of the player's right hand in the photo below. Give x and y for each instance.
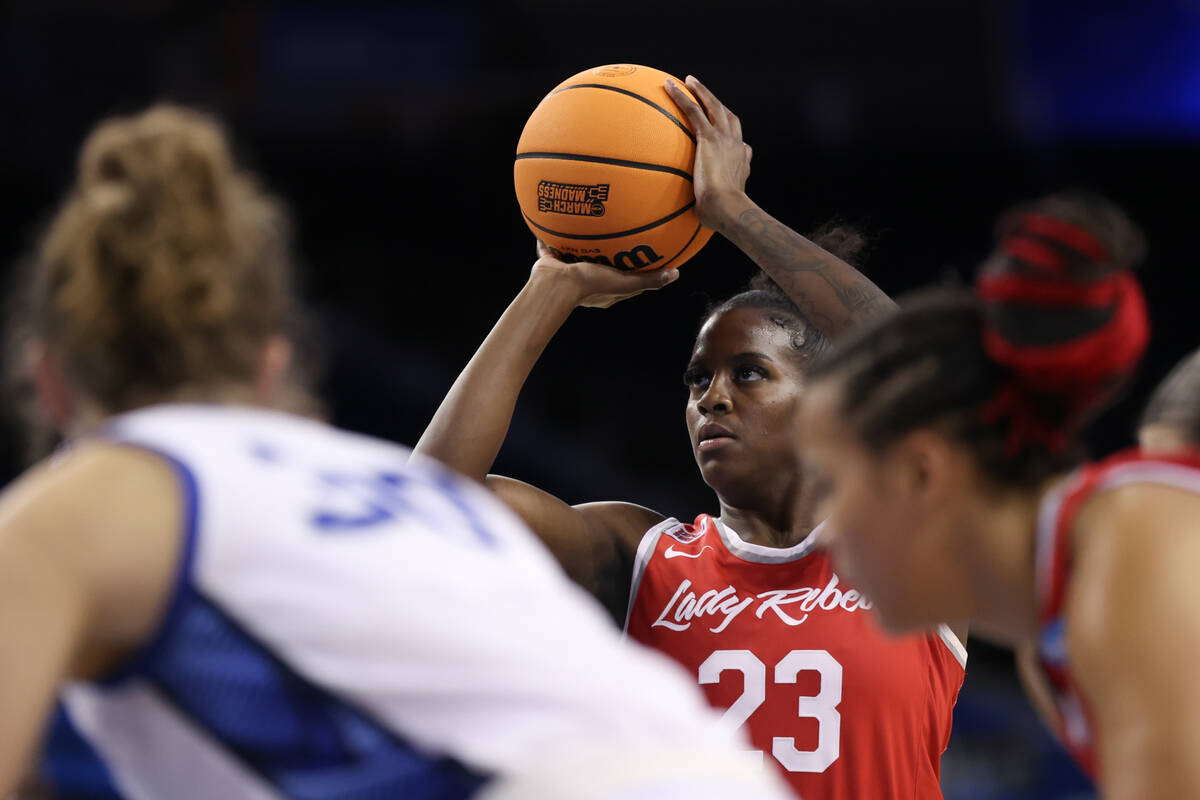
(596, 285)
(722, 162)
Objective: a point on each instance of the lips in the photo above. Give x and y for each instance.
(711, 430)
(712, 436)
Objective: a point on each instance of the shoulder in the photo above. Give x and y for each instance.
(626, 523)
(78, 517)
(1137, 523)
(68, 492)
(1135, 550)
(1130, 627)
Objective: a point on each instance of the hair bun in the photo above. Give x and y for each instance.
(166, 265)
(1064, 313)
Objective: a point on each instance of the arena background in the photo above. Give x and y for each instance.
(390, 130)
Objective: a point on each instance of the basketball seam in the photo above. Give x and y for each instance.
(695, 233)
(616, 162)
(619, 234)
(636, 96)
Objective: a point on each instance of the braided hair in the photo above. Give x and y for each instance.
(1015, 369)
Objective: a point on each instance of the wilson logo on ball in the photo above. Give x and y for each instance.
(635, 258)
(572, 198)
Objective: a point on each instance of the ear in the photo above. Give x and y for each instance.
(273, 365)
(926, 467)
(51, 389)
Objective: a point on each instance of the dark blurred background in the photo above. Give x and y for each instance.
(390, 129)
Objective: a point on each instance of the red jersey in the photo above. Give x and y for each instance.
(795, 655)
(1056, 518)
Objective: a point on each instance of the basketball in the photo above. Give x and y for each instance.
(603, 171)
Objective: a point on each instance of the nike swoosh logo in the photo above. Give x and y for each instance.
(671, 552)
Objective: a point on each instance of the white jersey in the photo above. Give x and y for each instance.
(351, 623)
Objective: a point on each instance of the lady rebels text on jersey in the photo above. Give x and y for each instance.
(794, 654)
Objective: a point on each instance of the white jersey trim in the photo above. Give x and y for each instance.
(761, 554)
(1137, 472)
(1176, 476)
(953, 644)
(645, 550)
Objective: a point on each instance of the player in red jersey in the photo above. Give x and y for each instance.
(946, 436)
(1170, 426)
(743, 601)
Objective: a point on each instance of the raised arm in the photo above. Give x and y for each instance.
(831, 293)
(469, 427)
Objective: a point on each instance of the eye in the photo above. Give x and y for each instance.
(696, 378)
(749, 373)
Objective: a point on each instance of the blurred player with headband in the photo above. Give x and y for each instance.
(947, 436)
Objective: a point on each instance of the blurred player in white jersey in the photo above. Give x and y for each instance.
(242, 603)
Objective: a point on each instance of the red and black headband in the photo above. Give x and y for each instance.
(1078, 371)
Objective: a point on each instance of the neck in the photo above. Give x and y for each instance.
(89, 415)
(998, 538)
(783, 523)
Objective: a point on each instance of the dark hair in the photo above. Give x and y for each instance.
(1016, 368)
(1176, 401)
(765, 295)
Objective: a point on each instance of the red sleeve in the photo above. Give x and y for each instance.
(947, 669)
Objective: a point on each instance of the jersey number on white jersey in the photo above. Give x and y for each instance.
(357, 503)
(822, 707)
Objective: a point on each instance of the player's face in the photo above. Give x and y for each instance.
(878, 528)
(744, 385)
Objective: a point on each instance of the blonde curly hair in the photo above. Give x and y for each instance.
(166, 266)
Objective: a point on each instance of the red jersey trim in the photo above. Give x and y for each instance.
(1057, 516)
(1048, 549)
(645, 550)
(1056, 519)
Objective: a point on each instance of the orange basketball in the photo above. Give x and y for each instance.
(604, 171)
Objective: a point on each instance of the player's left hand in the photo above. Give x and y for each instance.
(722, 157)
(597, 285)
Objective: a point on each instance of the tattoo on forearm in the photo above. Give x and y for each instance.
(794, 262)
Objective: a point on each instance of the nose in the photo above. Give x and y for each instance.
(716, 399)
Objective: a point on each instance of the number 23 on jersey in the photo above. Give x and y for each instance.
(822, 707)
